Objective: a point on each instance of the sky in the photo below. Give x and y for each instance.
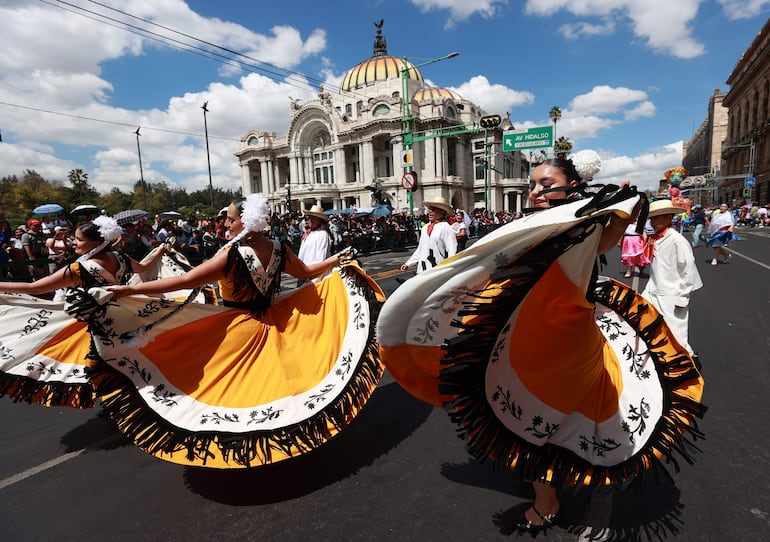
(77, 78)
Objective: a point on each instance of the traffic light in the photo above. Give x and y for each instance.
(490, 121)
(746, 193)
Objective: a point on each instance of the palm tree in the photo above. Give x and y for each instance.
(555, 115)
(562, 147)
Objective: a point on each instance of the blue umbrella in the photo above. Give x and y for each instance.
(330, 212)
(47, 209)
(382, 210)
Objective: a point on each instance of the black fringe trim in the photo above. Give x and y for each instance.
(466, 358)
(155, 435)
(28, 390)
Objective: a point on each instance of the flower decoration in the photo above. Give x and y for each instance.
(587, 163)
(109, 228)
(255, 213)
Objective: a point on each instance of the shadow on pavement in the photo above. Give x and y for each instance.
(389, 417)
(97, 433)
(648, 510)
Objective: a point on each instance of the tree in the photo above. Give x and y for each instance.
(562, 147)
(81, 191)
(555, 115)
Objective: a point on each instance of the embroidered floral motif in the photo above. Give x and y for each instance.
(598, 447)
(262, 416)
(495, 356)
(345, 365)
(359, 319)
(133, 367)
(161, 395)
(610, 327)
(501, 259)
(37, 322)
(217, 418)
(42, 369)
(449, 302)
(153, 306)
(638, 415)
(544, 432)
(319, 397)
(425, 334)
(6, 353)
(503, 398)
(637, 362)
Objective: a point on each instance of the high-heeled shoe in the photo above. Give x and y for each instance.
(524, 525)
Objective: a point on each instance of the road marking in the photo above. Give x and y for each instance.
(752, 260)
(386, 274)
(53, 462)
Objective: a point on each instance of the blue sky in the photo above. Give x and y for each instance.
(632, 77)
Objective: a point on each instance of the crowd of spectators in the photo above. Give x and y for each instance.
(43, 244)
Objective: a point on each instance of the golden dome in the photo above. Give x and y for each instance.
(378, 68)
(436, 94)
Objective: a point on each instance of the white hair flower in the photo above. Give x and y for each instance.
(109, 228)
(587, 163)
(255, 213)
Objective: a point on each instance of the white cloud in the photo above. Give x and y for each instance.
(603, 99)
(460, 10)
(644, 109)
(663, 24)
(62, 72)
(582, 30)
(743, 9)
(493, 98)
(643, 170)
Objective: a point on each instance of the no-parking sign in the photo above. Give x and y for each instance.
(409, 181)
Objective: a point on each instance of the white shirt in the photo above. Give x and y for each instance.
(315, 248)
(672, 271)
(441, 243)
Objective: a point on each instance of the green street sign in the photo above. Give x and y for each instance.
(533, 138)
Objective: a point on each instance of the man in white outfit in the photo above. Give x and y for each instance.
(316, 242)
(437, 238)
(673, 275)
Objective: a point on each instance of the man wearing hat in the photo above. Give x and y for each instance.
(673, 275)
(316, 241)
(698, 220)
(33, 245)
(437, 238)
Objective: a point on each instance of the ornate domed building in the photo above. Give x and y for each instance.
(341, 145)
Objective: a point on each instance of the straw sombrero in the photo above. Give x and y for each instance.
(664, 207)
(440, 203)
(318, 212)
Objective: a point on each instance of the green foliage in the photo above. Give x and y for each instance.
(18, 196)
(562, 147)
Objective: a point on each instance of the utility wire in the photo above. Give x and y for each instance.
(81, 117)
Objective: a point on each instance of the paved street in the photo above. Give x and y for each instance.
(398, 472)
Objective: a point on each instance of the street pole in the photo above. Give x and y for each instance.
(141, 172)
(486, 170)
(407, 120)
(208, 155)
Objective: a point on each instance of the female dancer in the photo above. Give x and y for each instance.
(240, 385)
(721, 233)
(563, 379)
(43, 350)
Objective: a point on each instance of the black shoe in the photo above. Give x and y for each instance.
(525, 526)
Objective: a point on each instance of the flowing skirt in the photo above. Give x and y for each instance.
(217, 387)
(537, 377)
(632, 251)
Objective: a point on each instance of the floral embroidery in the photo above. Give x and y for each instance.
(545, 432)
(599, 447)
(152, 307)
(6, 353)
(37, 322)
(263, 416)
(637, 362)
(318, 397)
(449, 302)
(345, 365)
(41, 368)
(639, 415)
(503, 398)
(610, 327)
(217, 418)
(425, 334)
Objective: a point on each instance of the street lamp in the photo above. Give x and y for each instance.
(489, 122)
(208, 156)
(141, 172)
(407, 119)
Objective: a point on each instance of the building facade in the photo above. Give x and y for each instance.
(702, 155)
(746, 149)
(344, 148)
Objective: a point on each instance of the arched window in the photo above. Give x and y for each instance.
(381, 110)
(451, 113)
(252, 141)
